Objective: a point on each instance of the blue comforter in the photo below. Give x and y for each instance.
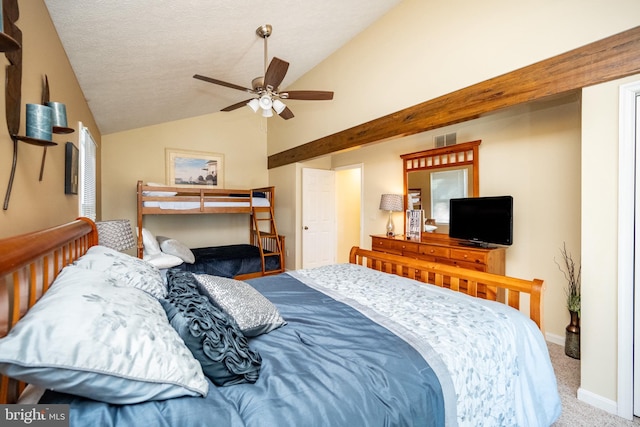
(329, 366)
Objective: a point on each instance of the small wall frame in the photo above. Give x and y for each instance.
(71, 155)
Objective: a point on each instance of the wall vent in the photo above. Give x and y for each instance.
(444, 140)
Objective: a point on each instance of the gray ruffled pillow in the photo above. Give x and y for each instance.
(254, 314)
(213, 338)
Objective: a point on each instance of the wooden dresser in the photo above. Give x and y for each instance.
(442, 249)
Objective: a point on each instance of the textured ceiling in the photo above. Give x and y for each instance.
(134, 59)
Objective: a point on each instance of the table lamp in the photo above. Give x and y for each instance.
(391, 203)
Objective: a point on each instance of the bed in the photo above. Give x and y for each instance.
(262, 255)
(333, 346)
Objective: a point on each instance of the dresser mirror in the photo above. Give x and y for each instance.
(432, 177)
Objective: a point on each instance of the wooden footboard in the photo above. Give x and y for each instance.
(29, 264)
(471, 282)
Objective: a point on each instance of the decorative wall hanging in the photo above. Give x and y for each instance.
(58, 120)
(13, 83)
(70, 168)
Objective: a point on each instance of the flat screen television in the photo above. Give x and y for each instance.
(482, 221)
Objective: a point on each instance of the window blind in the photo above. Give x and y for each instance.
(87, 174)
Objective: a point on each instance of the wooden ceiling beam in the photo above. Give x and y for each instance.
(608, 59)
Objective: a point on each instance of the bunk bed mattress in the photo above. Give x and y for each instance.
(175, 205)
(362, 347)
(229, 260)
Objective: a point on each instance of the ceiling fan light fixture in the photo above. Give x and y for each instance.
(266, 102)
(278, 106)
(254, 104)
(267, 112)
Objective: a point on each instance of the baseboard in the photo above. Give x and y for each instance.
(598, 401)
(555, 339)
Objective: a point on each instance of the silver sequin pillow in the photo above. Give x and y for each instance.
(253, 313)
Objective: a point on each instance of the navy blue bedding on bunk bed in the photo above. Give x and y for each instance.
(329, 365)
(229, 261)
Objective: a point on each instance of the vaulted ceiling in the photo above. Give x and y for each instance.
(135, 60)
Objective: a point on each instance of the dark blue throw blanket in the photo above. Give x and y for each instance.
(229, 261)
(329, 366)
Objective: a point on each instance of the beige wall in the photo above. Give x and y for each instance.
(139, 154)
(415, 53)
(418, 52)
(37, 204)
(600, 286)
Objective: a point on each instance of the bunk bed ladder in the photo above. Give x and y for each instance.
(265, 237)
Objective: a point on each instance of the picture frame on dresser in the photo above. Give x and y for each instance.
(414, 223)
(194, 169)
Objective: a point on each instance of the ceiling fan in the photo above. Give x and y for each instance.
(267, 97)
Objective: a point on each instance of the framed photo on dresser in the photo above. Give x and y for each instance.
(414, 221)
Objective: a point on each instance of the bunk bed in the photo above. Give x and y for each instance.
(263, 255)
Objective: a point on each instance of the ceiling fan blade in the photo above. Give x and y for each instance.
(236, 105)
(275, 73)
(221, 83)
(286, 114)
(308, 95)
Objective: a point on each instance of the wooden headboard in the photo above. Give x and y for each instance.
(29, 264)
(475, 283)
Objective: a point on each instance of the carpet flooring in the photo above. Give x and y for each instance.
(574, 412)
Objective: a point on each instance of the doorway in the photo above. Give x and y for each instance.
(628, 248)
(348, 210)
(331, 214)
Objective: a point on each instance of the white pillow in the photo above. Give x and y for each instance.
(163, 260)
(92, 337)
(174, 247)
(151, 245)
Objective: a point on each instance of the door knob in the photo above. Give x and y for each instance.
(306, 228)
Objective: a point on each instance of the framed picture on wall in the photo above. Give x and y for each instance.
(194, 168)
(70, 168)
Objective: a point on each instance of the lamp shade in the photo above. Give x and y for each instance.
(278, 106)
(266, 102)
(391, 203)
(254, 104)
(116, 234)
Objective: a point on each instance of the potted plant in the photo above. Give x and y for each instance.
(571, 272)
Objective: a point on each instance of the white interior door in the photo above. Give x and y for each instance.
(628, 252)
(636, 272)
(318, 217)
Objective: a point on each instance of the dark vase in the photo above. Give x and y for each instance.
(572, 342)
